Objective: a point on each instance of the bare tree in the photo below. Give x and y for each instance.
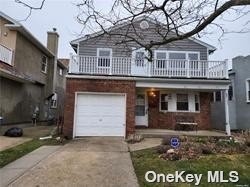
(174, 19)
(30, 7)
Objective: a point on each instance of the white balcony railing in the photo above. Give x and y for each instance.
(5, 54)
(157, 68)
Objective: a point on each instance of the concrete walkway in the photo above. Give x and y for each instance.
(12, 171)
(159, 133)
(145, 144)
(9, 142)
(92, 161)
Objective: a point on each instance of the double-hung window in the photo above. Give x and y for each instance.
(44, 64)
(248, 90)
(197, 102)
(164, 102)
(104, 56)
(161, 59)
(182, 102)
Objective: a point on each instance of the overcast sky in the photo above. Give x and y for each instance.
(61, 15)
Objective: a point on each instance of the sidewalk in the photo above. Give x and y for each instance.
(12, 171)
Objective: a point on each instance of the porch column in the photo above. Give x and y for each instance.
(228, 130)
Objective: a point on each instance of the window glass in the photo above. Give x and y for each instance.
(248, 90)
(104, 53)
(192, 56)
(104, 57)
(197, 102)
(161, 55)
(44, 64)
(140, 105)
(164, 102)
(218, 96)
(180, 56)
(182, 102)
(161, 59)
(230, 93)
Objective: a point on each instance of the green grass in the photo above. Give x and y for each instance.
(9, 155)
(148, 159)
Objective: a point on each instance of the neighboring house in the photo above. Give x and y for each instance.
(239, 97)
(112, 89)
(32, 80)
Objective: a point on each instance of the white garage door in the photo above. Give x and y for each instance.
(100, 115)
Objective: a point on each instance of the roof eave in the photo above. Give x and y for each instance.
(28, 35)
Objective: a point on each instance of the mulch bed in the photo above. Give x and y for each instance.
(194, 147)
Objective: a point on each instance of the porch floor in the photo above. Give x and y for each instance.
(158, 133)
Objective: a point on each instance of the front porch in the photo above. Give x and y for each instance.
(160, 133)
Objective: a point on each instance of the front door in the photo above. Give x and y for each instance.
(139, 63)
(141, 112)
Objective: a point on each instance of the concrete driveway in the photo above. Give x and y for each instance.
(94, 161)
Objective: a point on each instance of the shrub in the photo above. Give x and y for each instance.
(162, 149)
(206, 151)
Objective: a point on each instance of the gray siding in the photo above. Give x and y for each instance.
(239, 109)
(89, 46)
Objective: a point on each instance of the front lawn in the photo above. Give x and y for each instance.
(9, 155)
(148, 160)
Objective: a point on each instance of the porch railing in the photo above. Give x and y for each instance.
(5, 54)
(157, 68)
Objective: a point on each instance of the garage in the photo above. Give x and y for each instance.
(100, 114)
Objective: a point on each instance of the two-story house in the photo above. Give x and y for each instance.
(112, 88)
(32, 79)
(238, 97)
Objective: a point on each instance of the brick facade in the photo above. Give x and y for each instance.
(167, 120)
(91, 85)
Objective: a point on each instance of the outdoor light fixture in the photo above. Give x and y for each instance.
(152, 94)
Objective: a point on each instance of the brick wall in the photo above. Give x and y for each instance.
(91, 85)
(167, 120)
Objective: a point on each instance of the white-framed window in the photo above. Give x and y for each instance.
(44, 64)
(164, 101)
(161, 59)
(197, 102)
(248, 90)
(182, 102)
(217, 96)
(53, 102)
(162, 56)
(104, 56)
(60, 71)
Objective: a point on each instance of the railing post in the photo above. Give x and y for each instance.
(110, 68)
(188, 68)
(70, 62)
(226, 68)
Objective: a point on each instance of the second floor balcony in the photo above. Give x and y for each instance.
(5, 54)
(125, 66)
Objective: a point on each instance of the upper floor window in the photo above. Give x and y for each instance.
(44, 64)
(60, 71)
(161, 57)
(248, 90)
(182, 102)
(104, 57)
